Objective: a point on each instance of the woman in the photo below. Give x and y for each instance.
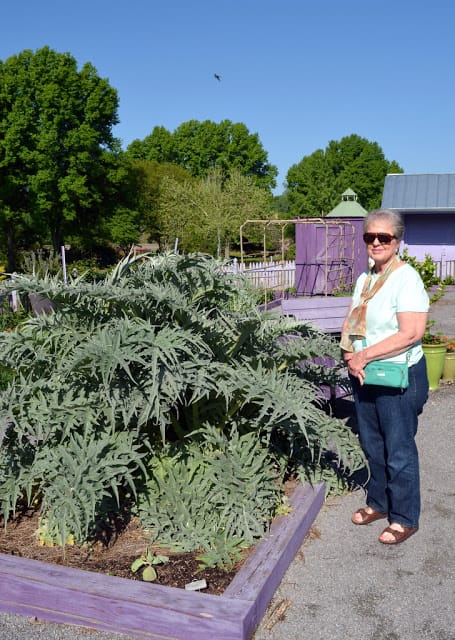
(386, 321)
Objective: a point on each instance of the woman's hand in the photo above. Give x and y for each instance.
(356, 363)
(411, 327)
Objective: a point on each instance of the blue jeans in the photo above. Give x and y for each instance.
(387, 421)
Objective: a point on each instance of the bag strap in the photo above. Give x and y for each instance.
(355, 323)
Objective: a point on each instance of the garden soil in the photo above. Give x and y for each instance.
(111, 557)
(343, 583)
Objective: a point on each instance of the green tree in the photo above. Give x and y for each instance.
(200, 147)
(58, 165)
(206, 214)
(123, 228)
(144, 189)
(156, 147)
(280, 204)
(315, 184)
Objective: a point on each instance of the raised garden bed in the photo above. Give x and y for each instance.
(71, 596)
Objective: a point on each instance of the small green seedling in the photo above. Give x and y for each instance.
(147, 560)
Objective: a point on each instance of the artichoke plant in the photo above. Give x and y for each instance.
(164, 364)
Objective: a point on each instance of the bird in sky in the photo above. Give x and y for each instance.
(217, 77)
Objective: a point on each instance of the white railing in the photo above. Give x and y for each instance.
(273, 275)
(279, 275)
(445, 268)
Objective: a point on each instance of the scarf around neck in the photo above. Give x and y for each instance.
(356, 322)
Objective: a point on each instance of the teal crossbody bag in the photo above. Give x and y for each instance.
(387, 374)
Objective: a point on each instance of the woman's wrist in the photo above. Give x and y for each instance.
(364, 356)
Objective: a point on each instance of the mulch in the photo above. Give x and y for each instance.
(113, 558)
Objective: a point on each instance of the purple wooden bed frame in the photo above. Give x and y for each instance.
(61, 594)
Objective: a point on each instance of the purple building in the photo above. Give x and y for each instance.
(330, 253)
(427, 202)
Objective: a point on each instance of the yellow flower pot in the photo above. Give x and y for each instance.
(448, 371)
(435, 356)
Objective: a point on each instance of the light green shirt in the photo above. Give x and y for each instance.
(402, 291)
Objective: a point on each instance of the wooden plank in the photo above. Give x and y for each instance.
(256, 582)
(325, 313)
(319, 315)
(328, 325)
(268, 306)
(314, 311)
(40, 304)
(273, 550)
(72, 596)
(332, 302)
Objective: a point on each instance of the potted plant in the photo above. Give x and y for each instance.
(433, 344)
(448, 371)
(434, 347)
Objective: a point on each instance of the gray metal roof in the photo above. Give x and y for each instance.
(419, 192)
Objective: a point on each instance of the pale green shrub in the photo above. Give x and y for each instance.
(164, 349)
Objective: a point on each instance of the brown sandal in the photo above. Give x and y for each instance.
(398, 536)
(368, 517)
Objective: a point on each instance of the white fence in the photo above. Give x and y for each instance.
(276, 275)
(445, 269)
(279, 275)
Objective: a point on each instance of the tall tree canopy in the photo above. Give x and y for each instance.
(145, 181)
(57, 169)
(205, 215)
(200, 147)
(315, 184)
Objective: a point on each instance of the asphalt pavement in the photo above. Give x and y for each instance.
(344, 584)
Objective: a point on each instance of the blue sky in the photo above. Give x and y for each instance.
(297, 73)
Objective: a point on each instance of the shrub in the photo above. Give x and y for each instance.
(450, 344)
(427, 271)
(213, 487)
(164, 359)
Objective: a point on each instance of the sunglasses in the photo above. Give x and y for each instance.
(384, 238)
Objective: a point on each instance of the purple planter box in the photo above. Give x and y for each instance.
(72, 596)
